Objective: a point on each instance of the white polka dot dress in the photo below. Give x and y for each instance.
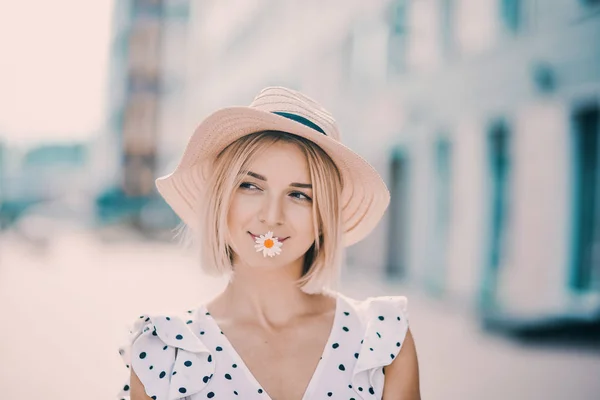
(190, 358)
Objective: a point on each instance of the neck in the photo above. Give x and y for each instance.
(267, 296)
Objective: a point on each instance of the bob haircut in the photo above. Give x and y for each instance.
(322, 261)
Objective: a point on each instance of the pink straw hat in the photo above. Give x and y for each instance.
(364, 197)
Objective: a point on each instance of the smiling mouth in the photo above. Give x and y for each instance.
(254, 237)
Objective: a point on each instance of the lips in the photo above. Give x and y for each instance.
(276, 237)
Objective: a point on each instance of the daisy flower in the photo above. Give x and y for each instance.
(269, 245)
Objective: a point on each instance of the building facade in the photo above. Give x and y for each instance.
(145, 106)
(500, 138)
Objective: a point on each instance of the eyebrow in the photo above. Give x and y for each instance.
(295, 184)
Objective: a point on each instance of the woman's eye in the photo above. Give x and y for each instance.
(301, 195)
(247, 185)
(252, 187)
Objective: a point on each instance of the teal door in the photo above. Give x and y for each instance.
(399, 211)
(499, 179)
(585, 275)
(442, 184)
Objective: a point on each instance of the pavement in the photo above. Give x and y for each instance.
(66, 306)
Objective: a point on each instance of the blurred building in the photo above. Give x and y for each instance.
(145, 104)
(500, 141)
(40, 174)
(482, 116)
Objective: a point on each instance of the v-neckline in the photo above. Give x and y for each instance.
(316, 373)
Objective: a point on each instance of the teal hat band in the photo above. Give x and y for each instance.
(301, 120)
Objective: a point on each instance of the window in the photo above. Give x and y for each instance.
(511, 14)
(398, 32)
(441, 212)
(447, 31)
(151, 8)
(399, 212)
(498, 143)
(586, 199)
(177, 9)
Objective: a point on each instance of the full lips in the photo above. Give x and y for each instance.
(254, 237)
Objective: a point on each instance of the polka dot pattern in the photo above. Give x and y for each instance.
(386, 327)
(190, 358)
(164, 345)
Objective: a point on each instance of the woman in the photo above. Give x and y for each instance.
(273, 196)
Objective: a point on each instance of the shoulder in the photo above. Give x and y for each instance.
(389, 345)
(157, 348)
(384, 328)
(383, 323)
(381, 310)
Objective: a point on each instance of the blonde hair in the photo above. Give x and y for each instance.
(323, 261)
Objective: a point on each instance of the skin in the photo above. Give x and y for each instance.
(262, 310)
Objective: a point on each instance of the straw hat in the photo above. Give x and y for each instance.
(364, 196)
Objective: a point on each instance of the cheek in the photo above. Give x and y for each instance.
(303, 222)
(238, 210)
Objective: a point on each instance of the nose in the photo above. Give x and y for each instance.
(271, 212)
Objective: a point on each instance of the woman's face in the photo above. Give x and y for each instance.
(275, 196)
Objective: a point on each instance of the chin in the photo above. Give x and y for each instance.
(259, 261)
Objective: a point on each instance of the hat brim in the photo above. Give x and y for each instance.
(364, 197)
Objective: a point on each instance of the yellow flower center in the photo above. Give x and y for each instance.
(268, 243)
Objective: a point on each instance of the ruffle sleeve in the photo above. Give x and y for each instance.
(170, 361)
(386, 328)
